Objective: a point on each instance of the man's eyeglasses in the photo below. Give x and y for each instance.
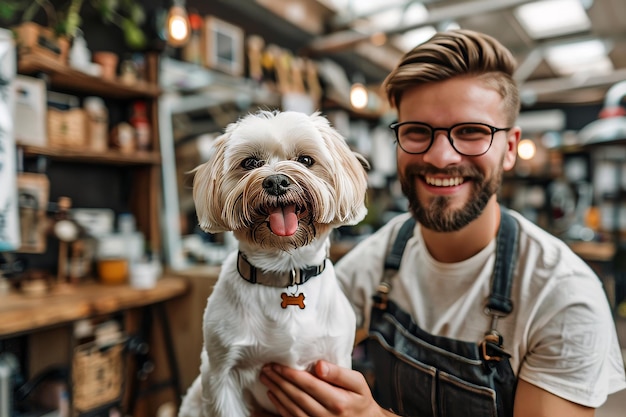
(469, 139)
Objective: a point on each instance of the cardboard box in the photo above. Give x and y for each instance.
(30, 111)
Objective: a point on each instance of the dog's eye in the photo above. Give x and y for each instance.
(306, 160)
(251, 163)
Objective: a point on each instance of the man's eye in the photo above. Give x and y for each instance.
(306, 160)
(251, 163)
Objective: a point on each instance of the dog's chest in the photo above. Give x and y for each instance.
(297, 337)
(263, 328)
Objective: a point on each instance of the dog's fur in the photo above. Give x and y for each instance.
(245, 325)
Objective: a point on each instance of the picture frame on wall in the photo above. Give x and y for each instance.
(223, 46)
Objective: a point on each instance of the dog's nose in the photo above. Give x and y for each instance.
(276, 184)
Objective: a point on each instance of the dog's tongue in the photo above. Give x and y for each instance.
(283, 220)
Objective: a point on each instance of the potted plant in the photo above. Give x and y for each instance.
(64, 22)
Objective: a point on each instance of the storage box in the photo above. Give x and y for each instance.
(67, 127)
(36, 39)
(30, 111)
(97, 376)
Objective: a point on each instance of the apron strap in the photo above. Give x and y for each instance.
(404, 234)
(392, 263)
(506, 257)
(499, 302)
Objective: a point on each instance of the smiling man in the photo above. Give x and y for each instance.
(471, 309)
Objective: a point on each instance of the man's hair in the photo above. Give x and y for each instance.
(452, 54)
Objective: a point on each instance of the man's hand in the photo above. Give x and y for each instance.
(329, 391)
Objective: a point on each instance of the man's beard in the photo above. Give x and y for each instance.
(438, 215)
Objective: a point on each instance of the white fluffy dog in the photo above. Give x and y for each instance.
(281, 181)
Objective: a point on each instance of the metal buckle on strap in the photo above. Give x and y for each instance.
(492, 340)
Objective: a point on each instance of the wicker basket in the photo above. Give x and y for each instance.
(67, 127)
(97, 376)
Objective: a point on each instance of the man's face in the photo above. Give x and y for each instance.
(445, 189)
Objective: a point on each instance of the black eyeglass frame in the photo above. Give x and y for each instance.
(396, 126)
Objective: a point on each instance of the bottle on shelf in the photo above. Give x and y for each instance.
(98, 123)
(139, 121)
(192, 52)
(68, 232)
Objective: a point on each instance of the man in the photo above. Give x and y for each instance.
(479, 312)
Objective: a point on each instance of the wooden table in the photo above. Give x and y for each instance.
(22, 314)
(47, 321)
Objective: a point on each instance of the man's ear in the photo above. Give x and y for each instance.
(513, 137)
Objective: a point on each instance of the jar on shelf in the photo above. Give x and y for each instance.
(97, 123)
(108, 62)
(123, 137)
(128, 72)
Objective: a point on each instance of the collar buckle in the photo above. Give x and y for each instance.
(294, 277)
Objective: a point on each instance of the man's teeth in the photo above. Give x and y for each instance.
(445, 182)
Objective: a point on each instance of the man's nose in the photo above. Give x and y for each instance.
(441, 152)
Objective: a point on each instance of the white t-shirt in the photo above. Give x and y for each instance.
(561, 333)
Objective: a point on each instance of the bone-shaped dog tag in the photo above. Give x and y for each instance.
(292, 300)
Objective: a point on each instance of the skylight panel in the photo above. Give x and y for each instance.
(586, 57)
(548, 18)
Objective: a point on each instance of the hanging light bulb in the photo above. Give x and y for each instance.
(526, 149)
(358, 96)
(178, 26)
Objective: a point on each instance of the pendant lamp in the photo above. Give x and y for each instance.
(178, 28)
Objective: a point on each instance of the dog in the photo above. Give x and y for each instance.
(281, 182)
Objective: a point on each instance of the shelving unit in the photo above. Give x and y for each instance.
(145, 195)
(112, 179)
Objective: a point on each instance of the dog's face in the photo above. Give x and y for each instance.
(279, 180)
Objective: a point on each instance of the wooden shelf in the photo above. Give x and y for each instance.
(21, 314)
(65, 77)
(85, 155)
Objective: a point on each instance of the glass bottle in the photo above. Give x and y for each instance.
(141, 124)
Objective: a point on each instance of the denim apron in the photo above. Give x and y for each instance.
(420, 374)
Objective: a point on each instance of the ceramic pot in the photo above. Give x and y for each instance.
(108, 62)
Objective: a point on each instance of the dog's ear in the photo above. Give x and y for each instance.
(207, 185)
(350, 174)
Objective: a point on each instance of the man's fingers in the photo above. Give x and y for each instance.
(341, 377)
(286, 394)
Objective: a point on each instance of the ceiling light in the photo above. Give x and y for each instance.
(586, 57)
(547, 18)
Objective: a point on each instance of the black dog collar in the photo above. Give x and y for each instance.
(254, 275)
